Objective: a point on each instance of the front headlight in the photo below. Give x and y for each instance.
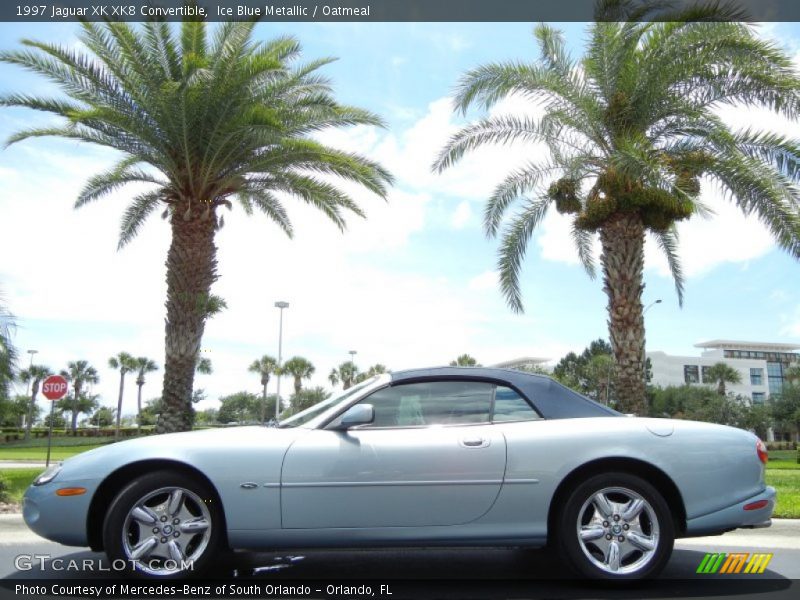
(48, 475)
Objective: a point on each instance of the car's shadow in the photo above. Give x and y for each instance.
(446, 572)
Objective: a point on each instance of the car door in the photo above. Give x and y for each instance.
(431, 457)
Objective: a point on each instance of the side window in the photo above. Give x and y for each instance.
(510, 406)
(431, 403)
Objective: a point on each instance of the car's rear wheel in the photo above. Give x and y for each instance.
(616, 526)
(164, 524)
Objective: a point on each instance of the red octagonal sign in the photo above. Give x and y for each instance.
(54, 387)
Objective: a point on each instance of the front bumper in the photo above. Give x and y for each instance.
(734, 517)
(62, 519)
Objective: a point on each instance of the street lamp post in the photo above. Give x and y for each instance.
(31, 352)
(644, 352)
(352, 354)
(280, 305)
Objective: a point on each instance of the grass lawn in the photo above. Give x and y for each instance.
(12, 452)
(787, 483)
(18, 481)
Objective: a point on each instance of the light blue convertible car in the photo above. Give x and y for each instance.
(442, 456)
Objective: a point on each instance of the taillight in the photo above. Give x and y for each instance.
(761, 450)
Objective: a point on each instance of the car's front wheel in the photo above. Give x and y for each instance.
(616, 526)
(163, 524)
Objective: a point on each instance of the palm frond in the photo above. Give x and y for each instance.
(119, 175)
(514, 245)
(519, 182)
(135, 215)
(668, 243)
(583, 241)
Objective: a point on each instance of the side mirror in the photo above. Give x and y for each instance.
(360, 414)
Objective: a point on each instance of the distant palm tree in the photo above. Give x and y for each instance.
(347, 372)
(86, 404)
(203, 118)
(79, 373)
(204, 366)
(125, 363)
(34, 375)
(632, 131)
(265, 367)
(792, 374)
(376, 369)
(8, 353)
(720, 374)
(299, 368)
(144, 366)
(465, 360)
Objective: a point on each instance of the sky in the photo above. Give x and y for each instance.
(412, 285)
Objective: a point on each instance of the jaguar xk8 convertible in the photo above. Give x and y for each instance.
(441, 456)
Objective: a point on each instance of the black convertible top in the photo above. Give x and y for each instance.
(551, 399)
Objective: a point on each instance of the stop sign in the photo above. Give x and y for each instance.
(54, 387)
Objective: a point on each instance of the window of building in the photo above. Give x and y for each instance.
(759, 397)
(691, 374)
(756, 376)
(704, 373)
(775, 377)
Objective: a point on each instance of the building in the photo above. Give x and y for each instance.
(524, 362)
(761, 366)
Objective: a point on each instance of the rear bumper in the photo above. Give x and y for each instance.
(735, 516)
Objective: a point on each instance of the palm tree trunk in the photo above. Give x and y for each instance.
(298, 385)
(191, 269)
(264, 403)
(31, 407)
(622, 240)
(75, 410)
(119, 402)
(139, 402)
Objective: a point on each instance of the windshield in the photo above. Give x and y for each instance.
(306, 415)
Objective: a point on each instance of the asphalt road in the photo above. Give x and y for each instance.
(465, 572)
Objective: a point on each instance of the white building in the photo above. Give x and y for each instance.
(761, 366)
(524, 362)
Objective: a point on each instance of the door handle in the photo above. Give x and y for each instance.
(474, 442)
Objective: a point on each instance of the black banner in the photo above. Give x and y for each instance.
(361, 10)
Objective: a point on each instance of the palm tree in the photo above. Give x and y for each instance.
(632, 131)
(792, 374)
(125, 363)
(347, 372)
(720, 374)
(8, 354)
(204, 366)
(376, 369)
(85, 404)
(204, 118)
(265, 367)
(79, 372)
(465, 360)
(144, 365)
(299, 368)
(34, 375)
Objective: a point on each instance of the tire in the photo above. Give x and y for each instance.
(164, 524)
(625, 508)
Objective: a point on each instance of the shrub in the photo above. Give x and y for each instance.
(4, 489)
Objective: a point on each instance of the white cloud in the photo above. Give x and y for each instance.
(483, 282)
(790, 323)
(461, 216)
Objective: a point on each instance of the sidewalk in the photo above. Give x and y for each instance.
(21, 464)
